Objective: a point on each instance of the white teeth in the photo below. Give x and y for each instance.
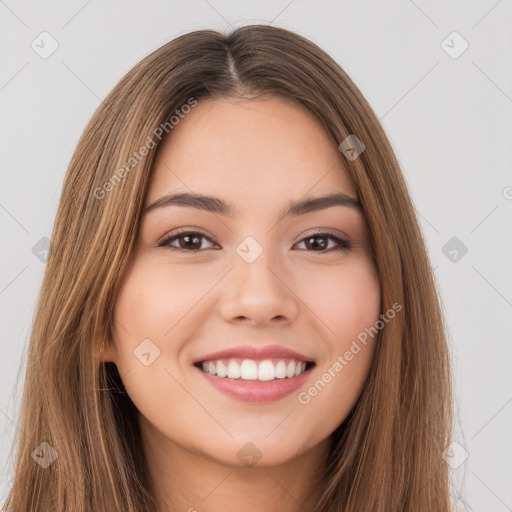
(250, 369)
(222, 369)
(233, 369)
(266, 371)
(299, 368)
(290, 369)
(280, 370)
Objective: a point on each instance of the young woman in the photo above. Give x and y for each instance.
(238, 311)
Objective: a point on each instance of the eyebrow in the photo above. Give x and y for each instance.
(217, 205)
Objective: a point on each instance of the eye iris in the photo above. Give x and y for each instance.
(322, 245)
(188, 238)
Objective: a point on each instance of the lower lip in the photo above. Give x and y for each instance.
(256, 391)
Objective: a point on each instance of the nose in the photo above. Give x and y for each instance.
(258, 293)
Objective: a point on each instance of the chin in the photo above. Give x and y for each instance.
(256, 451)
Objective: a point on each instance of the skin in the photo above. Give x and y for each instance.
(257, 155)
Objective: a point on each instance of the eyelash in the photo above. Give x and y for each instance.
(343, 244)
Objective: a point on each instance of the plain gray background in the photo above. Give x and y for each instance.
(448, 117)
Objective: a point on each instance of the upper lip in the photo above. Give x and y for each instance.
(254, 352)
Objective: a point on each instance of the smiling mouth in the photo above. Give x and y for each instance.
(264, 370)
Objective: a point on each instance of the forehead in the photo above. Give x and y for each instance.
(265, 149)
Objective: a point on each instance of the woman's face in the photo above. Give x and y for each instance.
(247, 279)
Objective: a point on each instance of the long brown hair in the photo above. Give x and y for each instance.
(386, 456)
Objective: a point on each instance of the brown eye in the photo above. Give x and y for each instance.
(189, 241)
(318, 242)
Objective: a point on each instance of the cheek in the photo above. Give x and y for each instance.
(348, 304)
(152, 301)
(346, 301)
